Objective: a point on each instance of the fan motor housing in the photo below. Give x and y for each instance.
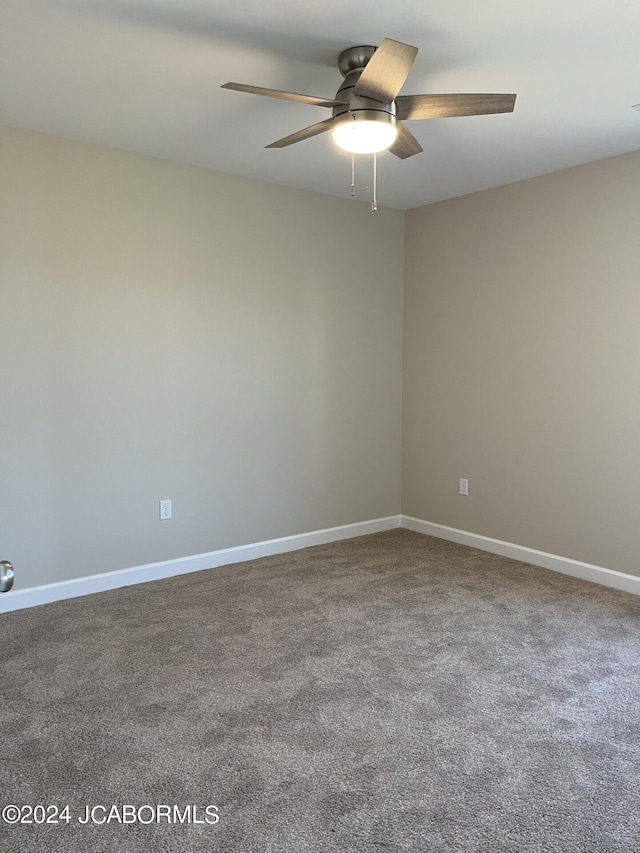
(358, 108)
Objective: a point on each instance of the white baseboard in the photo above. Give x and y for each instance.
(19, 599)
(564, 565)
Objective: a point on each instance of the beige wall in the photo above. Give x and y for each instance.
(522, 363)
(169, 332)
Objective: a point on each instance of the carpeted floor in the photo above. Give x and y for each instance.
(393, 692)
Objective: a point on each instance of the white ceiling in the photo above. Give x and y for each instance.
(145, 76)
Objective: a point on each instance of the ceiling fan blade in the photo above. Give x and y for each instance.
(284, 96)
(406, 145)
(446, 106)
(305, 133)
(386, 71)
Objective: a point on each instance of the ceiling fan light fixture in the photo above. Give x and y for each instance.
(364, 131)
(365, 108)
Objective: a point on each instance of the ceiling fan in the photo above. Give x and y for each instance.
(368, 113)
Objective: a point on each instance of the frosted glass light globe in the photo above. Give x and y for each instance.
(364, 136)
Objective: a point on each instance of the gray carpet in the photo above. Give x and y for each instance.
(392, 692)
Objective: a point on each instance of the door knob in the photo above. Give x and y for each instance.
(6, 576)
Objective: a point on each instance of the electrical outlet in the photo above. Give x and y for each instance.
(165, 510)
(463, 487)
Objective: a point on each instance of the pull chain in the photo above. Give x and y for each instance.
(353, 175)
(374, 203)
